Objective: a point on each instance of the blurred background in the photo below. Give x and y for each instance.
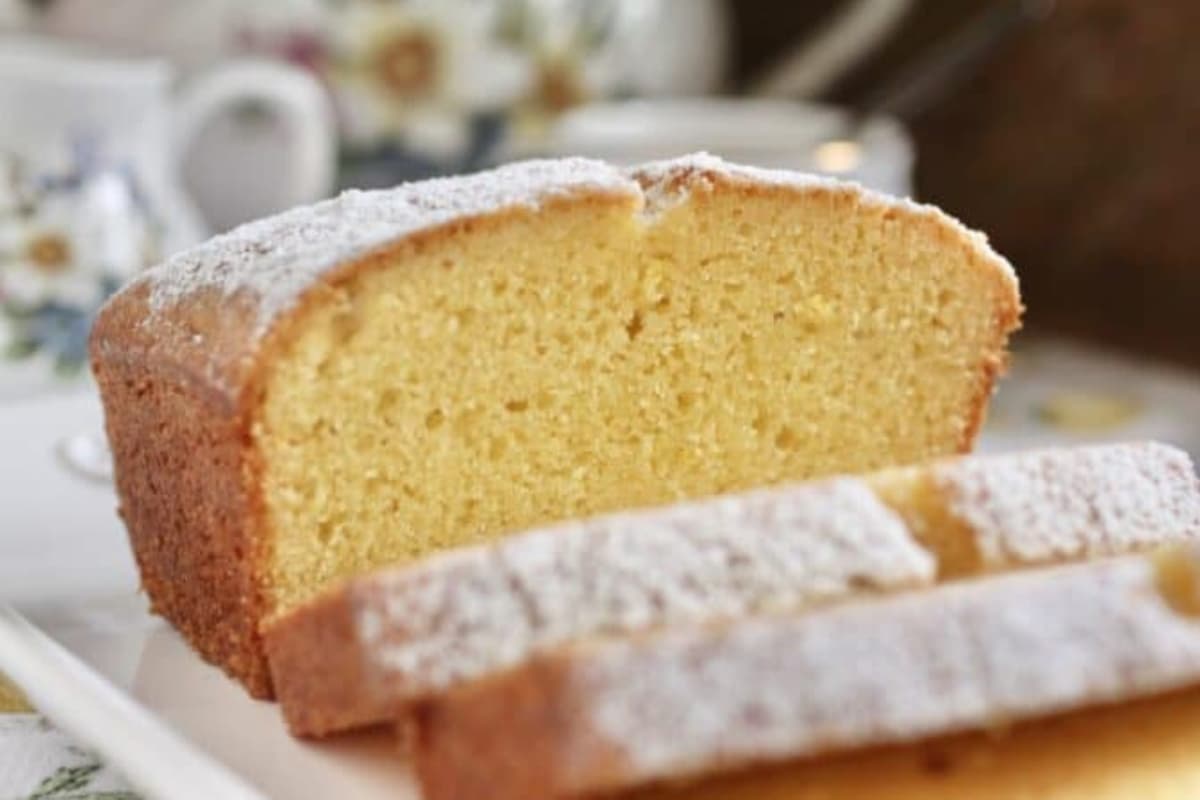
(130, 129)
(1064, 129)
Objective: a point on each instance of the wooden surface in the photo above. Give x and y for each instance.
(1075, 147)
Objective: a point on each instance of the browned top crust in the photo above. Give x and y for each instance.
(226, 295)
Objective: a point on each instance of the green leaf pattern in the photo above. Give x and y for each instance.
(72, 782)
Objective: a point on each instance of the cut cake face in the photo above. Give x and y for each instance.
(601, 353)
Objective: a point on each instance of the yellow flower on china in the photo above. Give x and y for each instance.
(67, 241)
(43, 259)
(61, 248)
(418, 70)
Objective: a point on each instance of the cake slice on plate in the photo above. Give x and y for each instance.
(705, 710)
(362, 653)
(390, 374)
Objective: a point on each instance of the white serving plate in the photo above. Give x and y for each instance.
(111, 675)
(90, 656)
(79, 640)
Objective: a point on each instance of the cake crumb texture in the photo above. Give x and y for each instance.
(577, 361)
(390, 374)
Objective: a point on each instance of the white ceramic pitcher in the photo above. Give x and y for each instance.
(90, 189)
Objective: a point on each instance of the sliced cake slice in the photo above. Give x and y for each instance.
(1143, 749)
(691, 703)
(361, 652)
(358, 654)
(990, 512)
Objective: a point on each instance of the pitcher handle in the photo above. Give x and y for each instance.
(297, 98)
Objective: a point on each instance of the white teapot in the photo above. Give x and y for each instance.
(91, 149)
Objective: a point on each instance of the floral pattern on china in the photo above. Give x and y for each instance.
(425, 87)
(68, 239)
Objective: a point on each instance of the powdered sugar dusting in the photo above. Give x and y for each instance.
(275, 260)
(1071, 503)
(959, 656)
(663, 177)
(479, 610)
(278, 258)
(484, 609)
(661, 181)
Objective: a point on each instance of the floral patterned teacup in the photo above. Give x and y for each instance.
(89, 188)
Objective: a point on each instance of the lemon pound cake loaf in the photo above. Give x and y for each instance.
(389, 374)
(362, 653)
(687, 705)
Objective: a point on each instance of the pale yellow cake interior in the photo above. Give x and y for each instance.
(1137, 751)
(590, 358)
(913, 494)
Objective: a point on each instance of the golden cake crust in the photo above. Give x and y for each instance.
(320, 704)
(181, 357)
(184, 473)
